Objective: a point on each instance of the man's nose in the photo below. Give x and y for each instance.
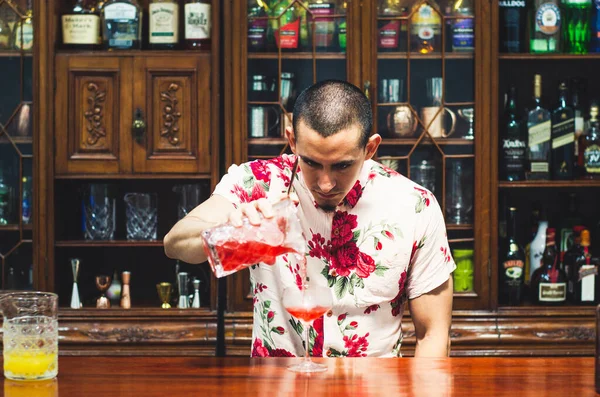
(326, 182)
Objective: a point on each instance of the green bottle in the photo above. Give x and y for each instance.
(341, 27)
(577, 32)
(546, 22)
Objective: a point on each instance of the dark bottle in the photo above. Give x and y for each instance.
(197, 24)
(549, 281)
(563, 136)
(539, 130)
(257, 26)
(545, 26)
(513, 25)
(513, 265)
(392, 33)
(513, 143)
(595, 27)
(585, 274)
(81, 26)
(589, 148)
(574, 252)
(568, 221)
(122, 25)
(579, 121)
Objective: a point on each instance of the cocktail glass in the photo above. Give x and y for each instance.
(231, 248)
(307, 304)
(164, 293)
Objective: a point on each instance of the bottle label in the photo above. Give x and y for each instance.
(563, 133)
(120, 12)
(426, 23)
(287, 36)
(552, 292)
(257, 33)
(512, 3)
(587, 278)
(512, 19)
(24, 36)
(164, 18)
(388, 35)
(81, 29)
(463, 36)
(197, 21)
(513, 270)
(547, 19)
(324, 26)
(514, 151)
(540, 133)
(591, 159)
(539, 166)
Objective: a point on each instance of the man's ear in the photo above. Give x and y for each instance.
(291, 137)
(372, 145)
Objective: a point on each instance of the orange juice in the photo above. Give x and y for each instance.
(30, 365)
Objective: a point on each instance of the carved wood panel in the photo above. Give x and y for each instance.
(92, 97)
(174, 99)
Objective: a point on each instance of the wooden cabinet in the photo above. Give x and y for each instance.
(133, 114)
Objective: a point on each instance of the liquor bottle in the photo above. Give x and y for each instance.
(284, 27)
(392, 33)
(579, 122)
(589, 147)
(341, 25)
(5, 34)
(81, 26)
(545, 21)
(577, 18)
(539, 130)
(257, 28)
(513, 16)
(463, 29)
(585, 274)
(534, 221)
(164, 24)
(513, 263)
(4, 201)
(321, 13)
(570, 259)
(198, 24)
(595, 27)
(536, 248)
(514, 145)
(569, 220)
(563, 136)
(426, 28)
(26, 201)
(549, 282)
(121, 25)
(22, 35)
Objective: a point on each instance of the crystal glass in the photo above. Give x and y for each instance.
(434, 87)
(141, 214)
(231, 248)
(307, 304)
(469, 115)
(30, 335)
(459, 194)
(424, 174)
(99, 206)
(190, 196)
(103, 283)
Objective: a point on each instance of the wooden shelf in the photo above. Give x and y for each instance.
(426, 141)
(564, 310)
(15, 227)
(108, 243)
(549, 56)
(112, 53)
(267, 141)
(135, 311)
(404, 55)
(549, 184)
(298, 55)
(19, 140)
(14, 54)
(459, 227)
(133, 176)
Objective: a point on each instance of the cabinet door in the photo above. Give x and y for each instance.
(93, 119)
(172, 98)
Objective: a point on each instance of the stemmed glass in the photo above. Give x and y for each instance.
(307, 304)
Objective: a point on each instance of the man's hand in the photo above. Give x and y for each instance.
(257, 210)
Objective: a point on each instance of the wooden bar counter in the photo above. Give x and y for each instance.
(186, 376)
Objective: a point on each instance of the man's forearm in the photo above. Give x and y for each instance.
(433, 345)
(183, 242)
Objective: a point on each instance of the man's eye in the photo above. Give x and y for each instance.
(342, 166)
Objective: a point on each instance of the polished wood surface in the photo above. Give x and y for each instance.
(160, 376)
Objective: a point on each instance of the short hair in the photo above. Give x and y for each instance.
(330, 106)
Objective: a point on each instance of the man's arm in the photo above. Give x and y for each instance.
(432, 315)
(183, 240)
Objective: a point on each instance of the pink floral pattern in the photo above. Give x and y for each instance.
(398, 302)
(353, 195)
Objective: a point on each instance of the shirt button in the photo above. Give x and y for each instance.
(329, 313)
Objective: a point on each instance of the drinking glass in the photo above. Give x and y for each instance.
(469, 115)
(30, 335)
(424, 174)
(99, 206)
(307, 304)
(141, 213)
(459, 194)
(164, 293)
(190, 196)
(231, 248)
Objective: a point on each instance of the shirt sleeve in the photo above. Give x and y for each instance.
(431, 263)
(241, 185)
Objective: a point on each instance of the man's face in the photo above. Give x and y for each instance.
(330, 166)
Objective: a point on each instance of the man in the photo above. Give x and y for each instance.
(373, 236)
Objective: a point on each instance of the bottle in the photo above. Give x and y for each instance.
(545, 23)
(513, 22)
(81, 26)
(26, 201)
(4, 197)
(22, 35)
(570, 260)
(563, 136)
(536, 248)
(579, 122)
(568, 222)
(324, 26)
(589, 147)
(198, 24)
(341, 25)
(426, 28)
(257, 28)
(122, 25)
(514, 145)
(463, 30)
(577, 27)
(285, 34)
(595, 27)
(539, 129)
(585, 274)
(534, 221)
(513, 263)
(549, 282)
(163, 33)
(391, 33)
(5, 34)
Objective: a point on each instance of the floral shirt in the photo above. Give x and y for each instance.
(385, 243)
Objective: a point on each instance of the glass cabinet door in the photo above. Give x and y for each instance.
(290, 45)
(16, 144)
(425, 111)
